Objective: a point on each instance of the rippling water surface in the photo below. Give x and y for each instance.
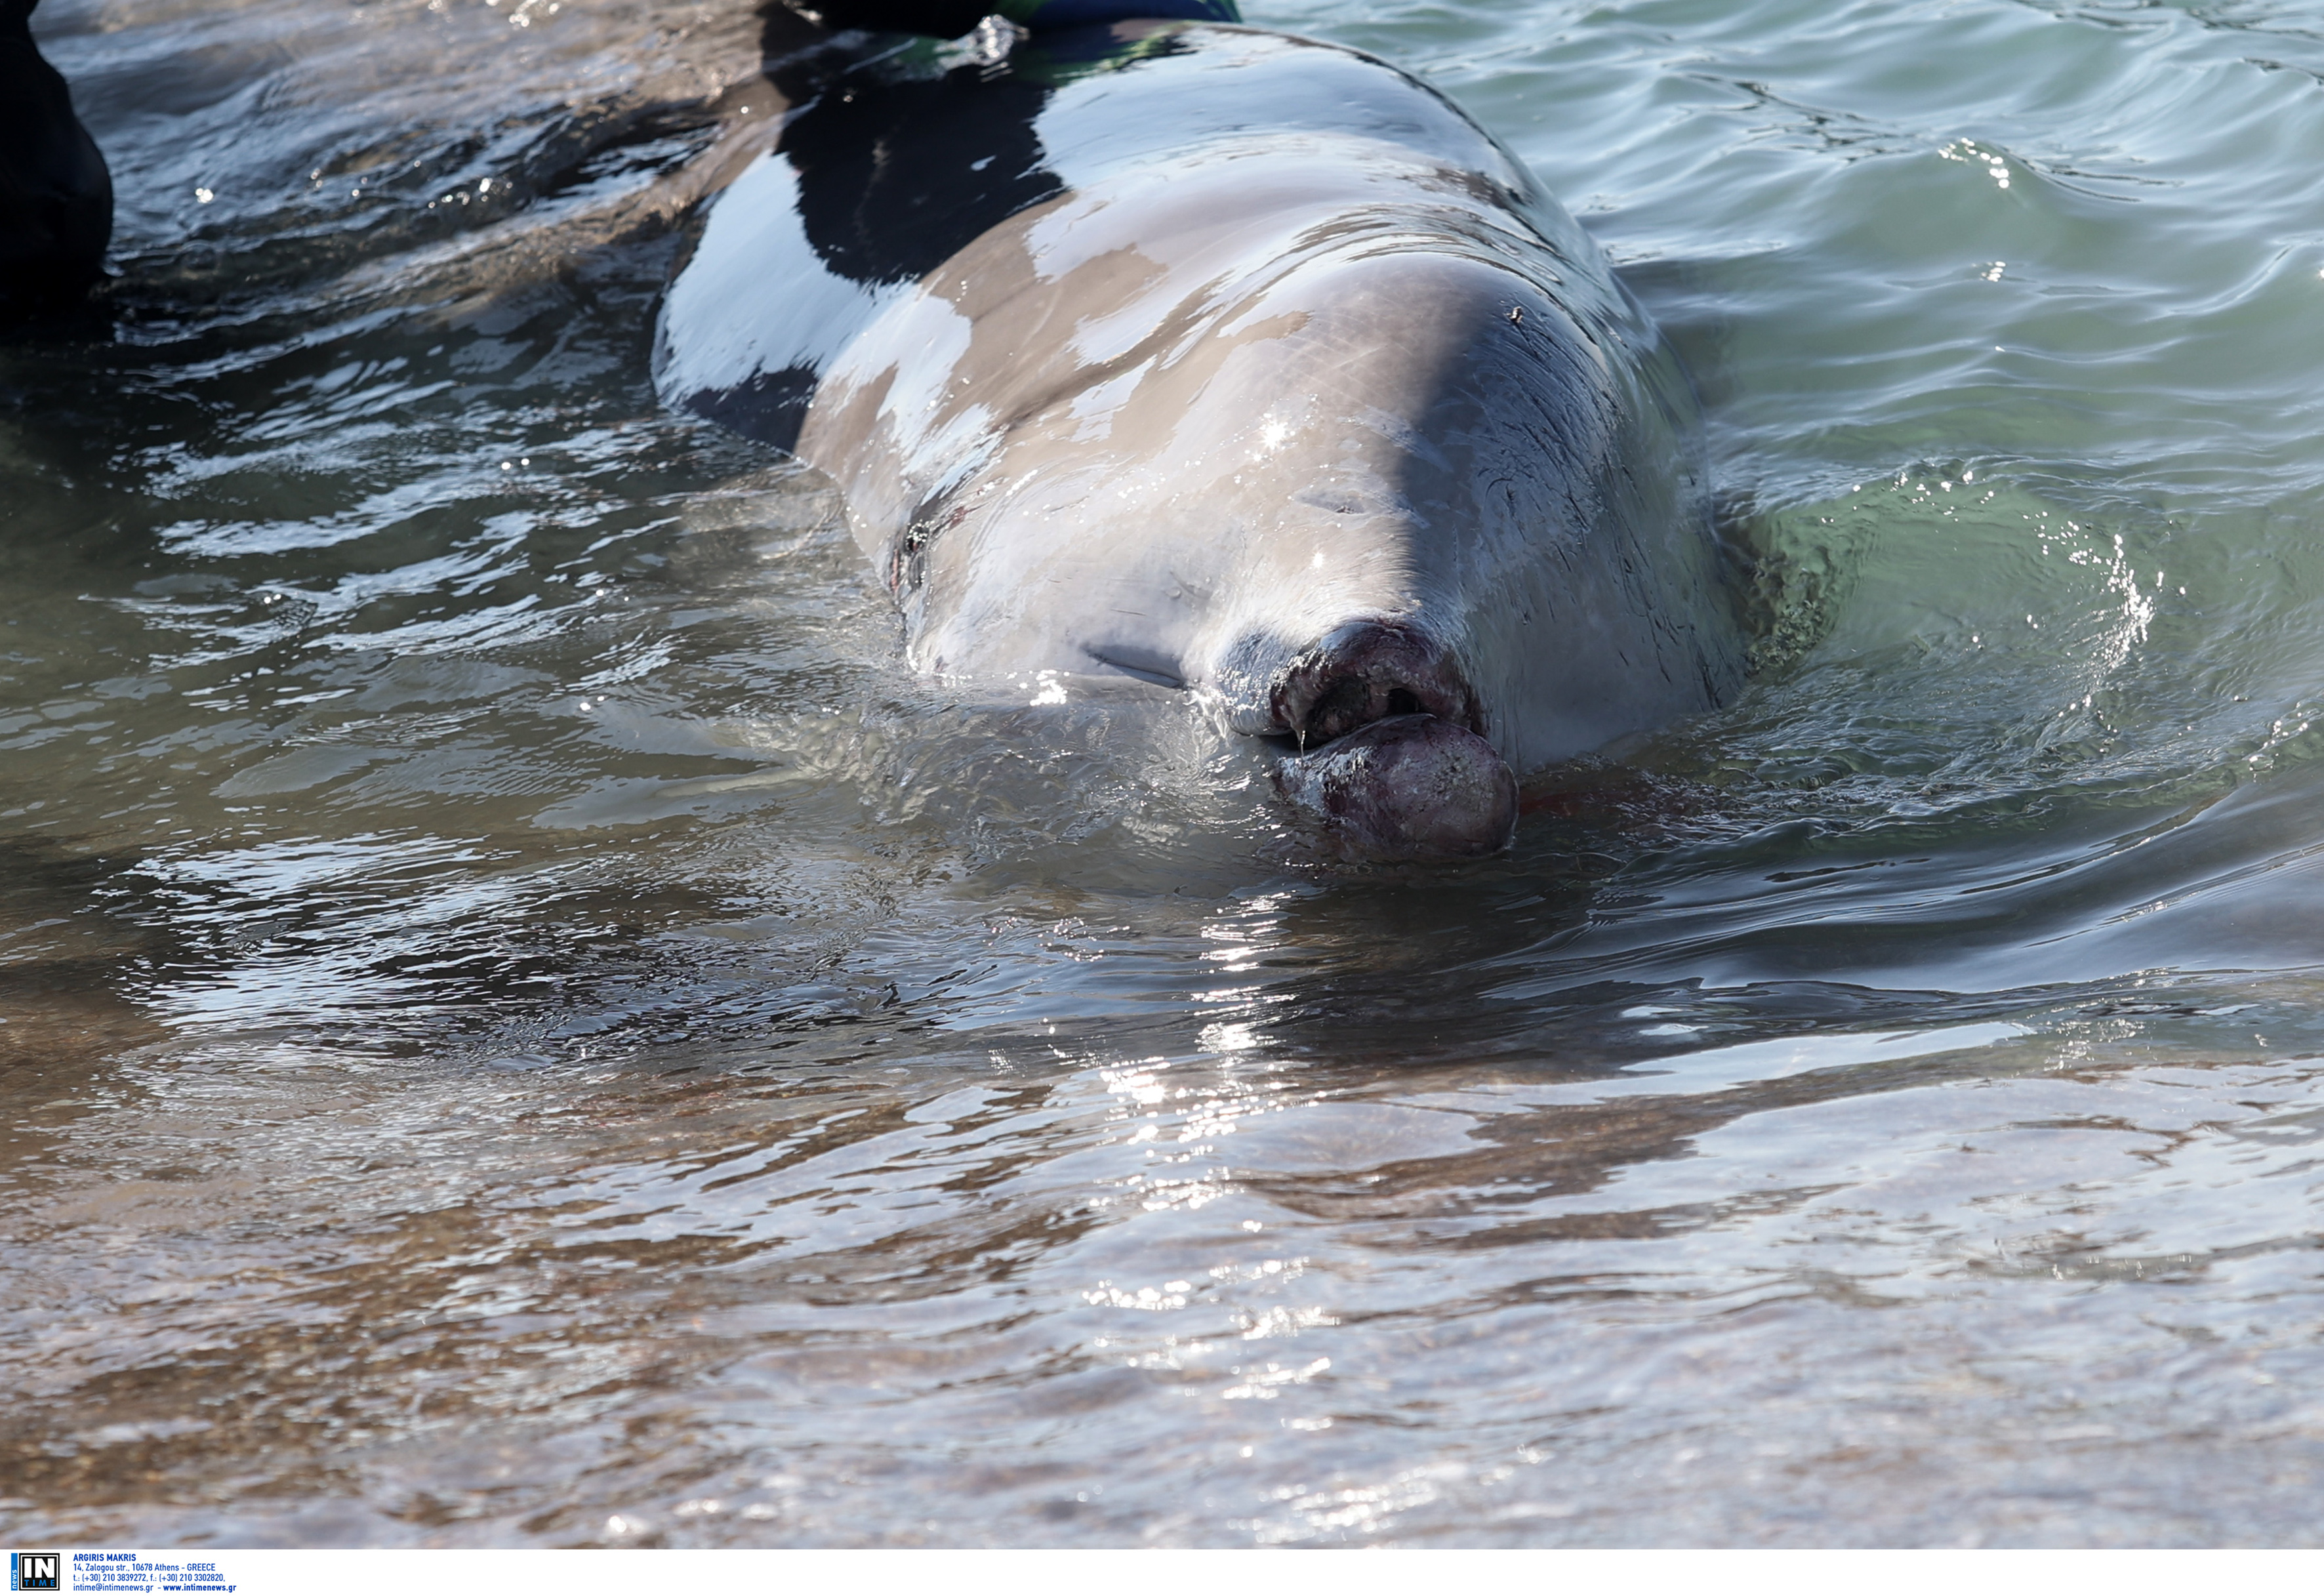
(525, 1025)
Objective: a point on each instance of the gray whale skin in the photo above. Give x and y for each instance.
(1230, 361)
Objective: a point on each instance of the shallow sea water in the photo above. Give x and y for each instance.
(524, 1026)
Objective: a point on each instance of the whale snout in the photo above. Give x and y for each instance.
(1410, 786)
(1365, 671)
(1392, 757)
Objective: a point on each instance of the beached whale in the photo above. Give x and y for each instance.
(1230, 361)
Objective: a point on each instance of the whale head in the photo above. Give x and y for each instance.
(1335, 439)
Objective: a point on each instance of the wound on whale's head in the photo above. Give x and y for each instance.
(1391, 756)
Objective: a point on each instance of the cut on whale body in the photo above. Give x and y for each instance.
(1232, 361)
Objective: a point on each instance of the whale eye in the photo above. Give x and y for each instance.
(907, 568)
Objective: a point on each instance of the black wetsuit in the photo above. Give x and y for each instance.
(56, 198)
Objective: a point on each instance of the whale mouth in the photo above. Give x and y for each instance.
(1367, 672)
(1391, 756)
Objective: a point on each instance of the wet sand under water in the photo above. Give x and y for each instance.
(523, 1027)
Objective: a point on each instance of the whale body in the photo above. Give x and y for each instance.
(1230, 361)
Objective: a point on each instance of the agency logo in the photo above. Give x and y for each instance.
(36, 1570)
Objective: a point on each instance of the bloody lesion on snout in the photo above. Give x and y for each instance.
(1365, 672)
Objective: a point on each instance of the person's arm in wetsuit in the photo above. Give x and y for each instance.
(56, 196)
